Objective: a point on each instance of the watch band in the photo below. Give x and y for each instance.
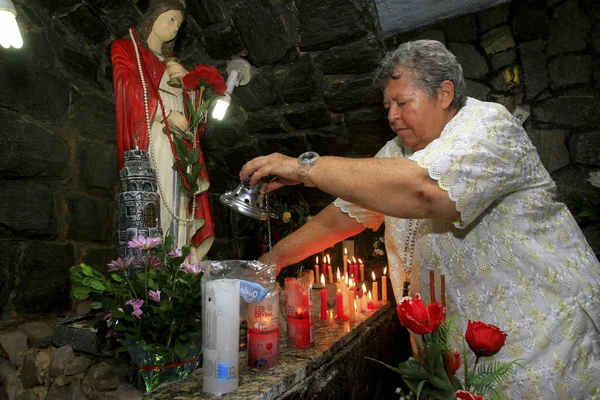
(305, 162)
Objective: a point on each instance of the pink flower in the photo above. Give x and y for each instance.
(108, 319)
(155, 262)
(190, 268)
(137, 306)
(119, 264)
(144, 243)
(175, 253)
(154, 295)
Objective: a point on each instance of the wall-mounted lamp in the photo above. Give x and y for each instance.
(239, 73)
(9, 30)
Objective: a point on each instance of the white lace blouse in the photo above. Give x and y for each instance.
(516, 258)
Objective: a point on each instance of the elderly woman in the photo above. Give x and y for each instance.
(462, 192)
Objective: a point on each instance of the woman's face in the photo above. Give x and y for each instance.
(167, 24)
(413, 115)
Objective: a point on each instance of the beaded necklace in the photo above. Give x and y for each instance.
(167, 129)
(409, 248)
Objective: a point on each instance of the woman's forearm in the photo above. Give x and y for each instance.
(324, 230)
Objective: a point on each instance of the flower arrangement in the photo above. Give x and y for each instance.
(153, 299)
(204, 86)
(432, 373)
(587, 205)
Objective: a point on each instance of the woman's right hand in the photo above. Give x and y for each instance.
(178, 119)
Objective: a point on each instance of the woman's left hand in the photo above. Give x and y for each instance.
(176, 70)
(284, 168)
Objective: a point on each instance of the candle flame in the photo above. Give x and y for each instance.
(373, 275)
(353, 260)
(323, 279)
(360, 261)
(339, 277)
(369, 295)
(355, 305)
(340, 291)
(345, 250)
(317, 260)
(328, 259)
(346, 278)
(384, 270)
(364, 288)
(350, 282)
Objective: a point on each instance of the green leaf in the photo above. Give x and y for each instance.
(95, 305)
(81, 292)
(87, 270)
(96, 284)
(196, 169)
(181, 348)
(180, 148)
(194, 155)
(116, 277)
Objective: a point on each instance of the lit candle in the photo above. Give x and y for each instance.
(323, 299)
(352, 308)
(363, 299)
(370, 301)
(354, 269)
(362, 270)
(329, 269)
(384, 286)
(375, 291)
(339, 278)
(345, 261)
(339, 306)
(352, 288)
(317, 267)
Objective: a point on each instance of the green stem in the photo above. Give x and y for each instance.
(146, 276)
(473, 374)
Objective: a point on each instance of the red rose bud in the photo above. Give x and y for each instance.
(419, 319)
(452, 363)
(207, 74)
(464, 395)
(484, 339)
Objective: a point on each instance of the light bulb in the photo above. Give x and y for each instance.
(9, 30)
(221, 107)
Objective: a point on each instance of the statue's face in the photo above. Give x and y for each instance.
(167, 24)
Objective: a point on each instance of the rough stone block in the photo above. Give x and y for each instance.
(30, 373)
(258, 93)
(296, 80)
(57, 392)
(276, 36)
(11, 386)
(265, 121)
(13, 342)
(36, 331)
(570, 69)
(492, 17)
(305, 116)
(497, 40)
(208, 12)
(84, 21)
(330, 23)
(571, 112)
(93, 116)
(44, 278)
(569, 29)
(6, 369)
(61, 359)
(292, 144)
(27, 208)
(535, 72)
(89, 219)
(26, 90)
(353, 58)
(477, 90)
(103, 376)
(27, 150)
(473, 63)
(551, 147)
(77, 365)
(504, 59)
(530, 22)
(97, 164)
(461, 29)
(367, 130)
(584, 148)
(343, 92)
(222, 41)
(82, 64)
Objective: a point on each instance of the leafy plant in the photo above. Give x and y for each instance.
(431, 373)
(155, 299)
(586, 205)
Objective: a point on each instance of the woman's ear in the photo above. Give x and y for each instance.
(446, 94)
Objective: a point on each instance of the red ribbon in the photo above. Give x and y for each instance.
(161, 367)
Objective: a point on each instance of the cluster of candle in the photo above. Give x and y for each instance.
(350, 298)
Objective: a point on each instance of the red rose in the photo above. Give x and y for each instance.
(420, 319)
(464, 395)
(484, 339)
(207, 74)
(452, 363)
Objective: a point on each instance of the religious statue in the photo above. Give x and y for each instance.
(149, 101)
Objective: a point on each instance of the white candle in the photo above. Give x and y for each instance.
(345, 261)
(363, 300)
(317, 268)
(362, 270)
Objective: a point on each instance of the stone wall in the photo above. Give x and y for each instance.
(311, 91)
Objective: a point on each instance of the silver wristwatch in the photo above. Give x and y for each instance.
(305, 162)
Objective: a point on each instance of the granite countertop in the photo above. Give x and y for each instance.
(294, 364)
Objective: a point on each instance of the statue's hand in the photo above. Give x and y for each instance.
(178, 119)
(176, 70)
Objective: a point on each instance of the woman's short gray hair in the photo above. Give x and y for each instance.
(433, 64)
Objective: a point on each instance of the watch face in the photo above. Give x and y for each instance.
(308, 158)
